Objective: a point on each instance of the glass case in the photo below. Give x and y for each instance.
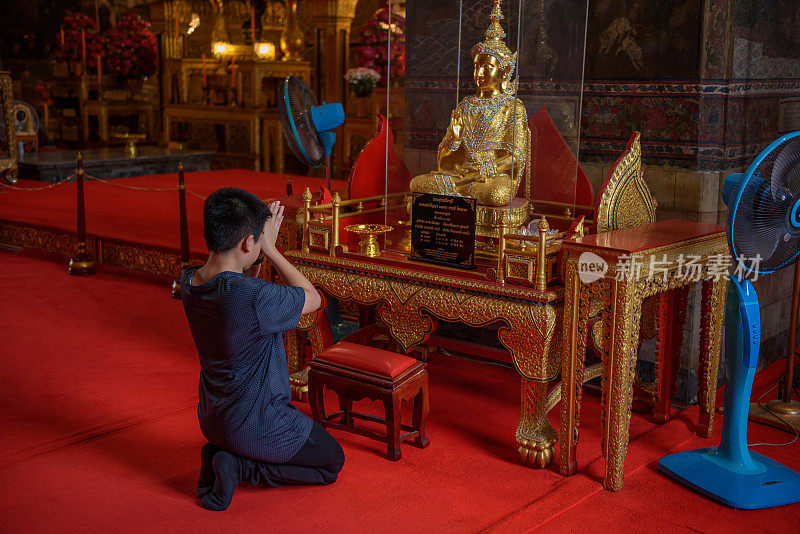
(483, 100)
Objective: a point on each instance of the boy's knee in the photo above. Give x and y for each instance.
(338, 461)
(331, 472)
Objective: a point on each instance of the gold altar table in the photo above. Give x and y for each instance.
(415, 295)
(641, 261)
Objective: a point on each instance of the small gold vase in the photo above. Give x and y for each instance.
(368, 244)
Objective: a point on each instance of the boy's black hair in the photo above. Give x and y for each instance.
(231, 214)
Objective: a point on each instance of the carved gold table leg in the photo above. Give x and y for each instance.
(320, 337)
(576, 312)
(618, 379)
(712, 309)
(535, 436)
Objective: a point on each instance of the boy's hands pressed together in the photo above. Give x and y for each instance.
(271, 228)
(286, 270)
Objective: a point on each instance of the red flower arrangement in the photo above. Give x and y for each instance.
(71, 47)
(131, 48)
(43, 93)
(374, 36)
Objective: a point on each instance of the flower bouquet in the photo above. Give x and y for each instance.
(374, 52)
(131, 48)
(72, 43)
(362, 80)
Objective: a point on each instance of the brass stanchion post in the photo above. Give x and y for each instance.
(541, 267)
(501, 250)
(82, 263)
(184, 231)
(336, 201)
(306, 215)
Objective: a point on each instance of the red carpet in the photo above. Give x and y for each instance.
(145, 217)
(86, 355)
(92, 349)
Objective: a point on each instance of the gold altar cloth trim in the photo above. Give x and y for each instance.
(409, 272)
(531, 321)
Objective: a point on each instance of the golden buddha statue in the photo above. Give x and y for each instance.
(486, 149)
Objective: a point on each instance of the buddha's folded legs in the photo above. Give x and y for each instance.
(443, 183)
(495, 191)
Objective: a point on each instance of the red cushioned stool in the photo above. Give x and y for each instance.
(357, 371)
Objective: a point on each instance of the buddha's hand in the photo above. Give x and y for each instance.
(456, 125)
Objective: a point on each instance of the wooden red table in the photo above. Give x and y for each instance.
(641, 262)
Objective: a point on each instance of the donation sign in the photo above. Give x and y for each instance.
(443, 230)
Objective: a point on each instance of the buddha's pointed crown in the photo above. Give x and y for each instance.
(493, 43)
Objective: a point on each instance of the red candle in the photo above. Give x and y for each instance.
(205, 81)
(46, 115)
(252, 22)
(62, 36)
(83, 49)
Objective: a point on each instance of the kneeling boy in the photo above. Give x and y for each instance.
(237, 321)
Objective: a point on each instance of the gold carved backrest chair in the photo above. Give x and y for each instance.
(624, 201)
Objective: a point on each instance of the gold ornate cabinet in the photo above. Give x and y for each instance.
(8, 153)
(611, 274)
(414, 296)
(229, 107)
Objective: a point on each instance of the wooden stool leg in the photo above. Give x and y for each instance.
(346, 405)
(315, 397)
(391, 407)
(421, 408)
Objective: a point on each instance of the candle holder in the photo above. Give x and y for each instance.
(368, 244)
(405, 243)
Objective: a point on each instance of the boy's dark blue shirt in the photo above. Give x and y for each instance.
(237, 323)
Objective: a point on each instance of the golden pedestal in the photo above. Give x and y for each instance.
(82, 263)
(130, 142)
(368, 244)
(488, 218)
(788, 414)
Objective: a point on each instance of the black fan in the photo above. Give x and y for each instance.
(307, 125)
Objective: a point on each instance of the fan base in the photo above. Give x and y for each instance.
(709, 472)
(788, 411)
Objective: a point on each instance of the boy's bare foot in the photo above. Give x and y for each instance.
(227, 472)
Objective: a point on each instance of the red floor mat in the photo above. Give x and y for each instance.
(105, 336)
(85, 355)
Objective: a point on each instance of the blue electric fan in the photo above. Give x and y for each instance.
(764, 223)
(307, 125)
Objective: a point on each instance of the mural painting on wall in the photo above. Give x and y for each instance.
(765, 43)
(773, 22)
(642, 39)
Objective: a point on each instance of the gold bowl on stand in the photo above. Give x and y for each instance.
(368, 244)
(130, 140)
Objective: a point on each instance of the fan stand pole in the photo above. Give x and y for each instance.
(328, 172)
(785, 408)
